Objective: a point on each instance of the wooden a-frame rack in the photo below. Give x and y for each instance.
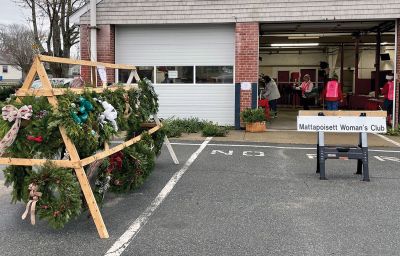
(75, 162)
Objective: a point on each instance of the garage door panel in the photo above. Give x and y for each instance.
(184, 45)
(176, 44)
(213, 103)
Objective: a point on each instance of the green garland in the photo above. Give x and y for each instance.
(61, 198)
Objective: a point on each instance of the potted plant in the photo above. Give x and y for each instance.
(254, 119)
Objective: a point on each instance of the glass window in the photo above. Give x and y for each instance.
(175, 75)
(5, 69)
(214, 74)
(143, 72)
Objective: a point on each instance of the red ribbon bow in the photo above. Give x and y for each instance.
(38, 139)
(115, 161)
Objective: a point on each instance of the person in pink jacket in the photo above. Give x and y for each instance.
(306, 88)
(332, 94)
(388, 94)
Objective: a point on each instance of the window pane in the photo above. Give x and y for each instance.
(214, 74)
(143, 72)
(5, 69)
(175, 75)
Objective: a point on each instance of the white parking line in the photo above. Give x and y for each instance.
(387, 139)
(269, 146)
(122, 243)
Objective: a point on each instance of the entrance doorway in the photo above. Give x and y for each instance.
(354, 51)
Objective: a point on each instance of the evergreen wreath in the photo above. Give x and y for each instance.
(61, 194)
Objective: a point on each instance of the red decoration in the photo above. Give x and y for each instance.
(38, 139)
(115, 162)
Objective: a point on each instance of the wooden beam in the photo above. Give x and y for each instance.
(31, 75)
(45, 58)
(85, 186)
(354, 113)
(109, 152)
(32, 162)
(62, 91)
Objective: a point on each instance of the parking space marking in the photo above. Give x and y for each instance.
(387, 139)
(270, 146)
(123, 242)
(387, 158)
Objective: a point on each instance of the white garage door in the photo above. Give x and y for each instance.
(190, 46)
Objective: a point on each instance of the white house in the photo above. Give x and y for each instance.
(9, 73)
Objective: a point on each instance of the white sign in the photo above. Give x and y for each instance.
(102, 74)
(341, 124)
(244, 86)
(172, 74)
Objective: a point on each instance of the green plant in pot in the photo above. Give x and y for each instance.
(254, 119)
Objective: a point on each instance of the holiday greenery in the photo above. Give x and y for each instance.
(90, 120)
(61, 194)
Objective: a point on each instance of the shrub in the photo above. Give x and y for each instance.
(172, 129)
(394, 132)
(211, 129)
(253, 115)
(6, 90)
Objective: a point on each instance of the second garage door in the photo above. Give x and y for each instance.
(192, 67)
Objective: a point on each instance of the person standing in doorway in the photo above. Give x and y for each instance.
(332, 93)
(388, 93)
(272, 94)
(306, 88)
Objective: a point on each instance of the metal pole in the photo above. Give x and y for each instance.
(93, 30)
(356, 60)
(395, 100)
(377, 62)
(341, 65)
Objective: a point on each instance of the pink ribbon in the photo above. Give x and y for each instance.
(34, 195)
(11, 113)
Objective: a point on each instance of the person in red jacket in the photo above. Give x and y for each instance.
(388, 93)
(332, 93)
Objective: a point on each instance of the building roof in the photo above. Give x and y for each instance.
(224, 11)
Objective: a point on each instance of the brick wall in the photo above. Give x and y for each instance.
(105, 49)
(246, 60)
(398, 72)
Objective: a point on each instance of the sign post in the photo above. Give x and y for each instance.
(361, 122)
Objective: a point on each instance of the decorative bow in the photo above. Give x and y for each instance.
(38, 139)
(115, 161)
(11, 113)
(109, 114)
(128, 108)
(34, 195)
(83, 111)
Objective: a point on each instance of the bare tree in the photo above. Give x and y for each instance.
(17, 45)
(61, 35)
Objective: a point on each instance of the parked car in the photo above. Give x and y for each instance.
(55, 82)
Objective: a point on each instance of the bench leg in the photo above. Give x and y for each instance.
(365, 165)
(321, 165)
(359, 166)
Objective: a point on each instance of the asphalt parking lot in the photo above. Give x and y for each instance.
(233, 199)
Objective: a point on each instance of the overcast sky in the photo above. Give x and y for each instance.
(10, 12)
